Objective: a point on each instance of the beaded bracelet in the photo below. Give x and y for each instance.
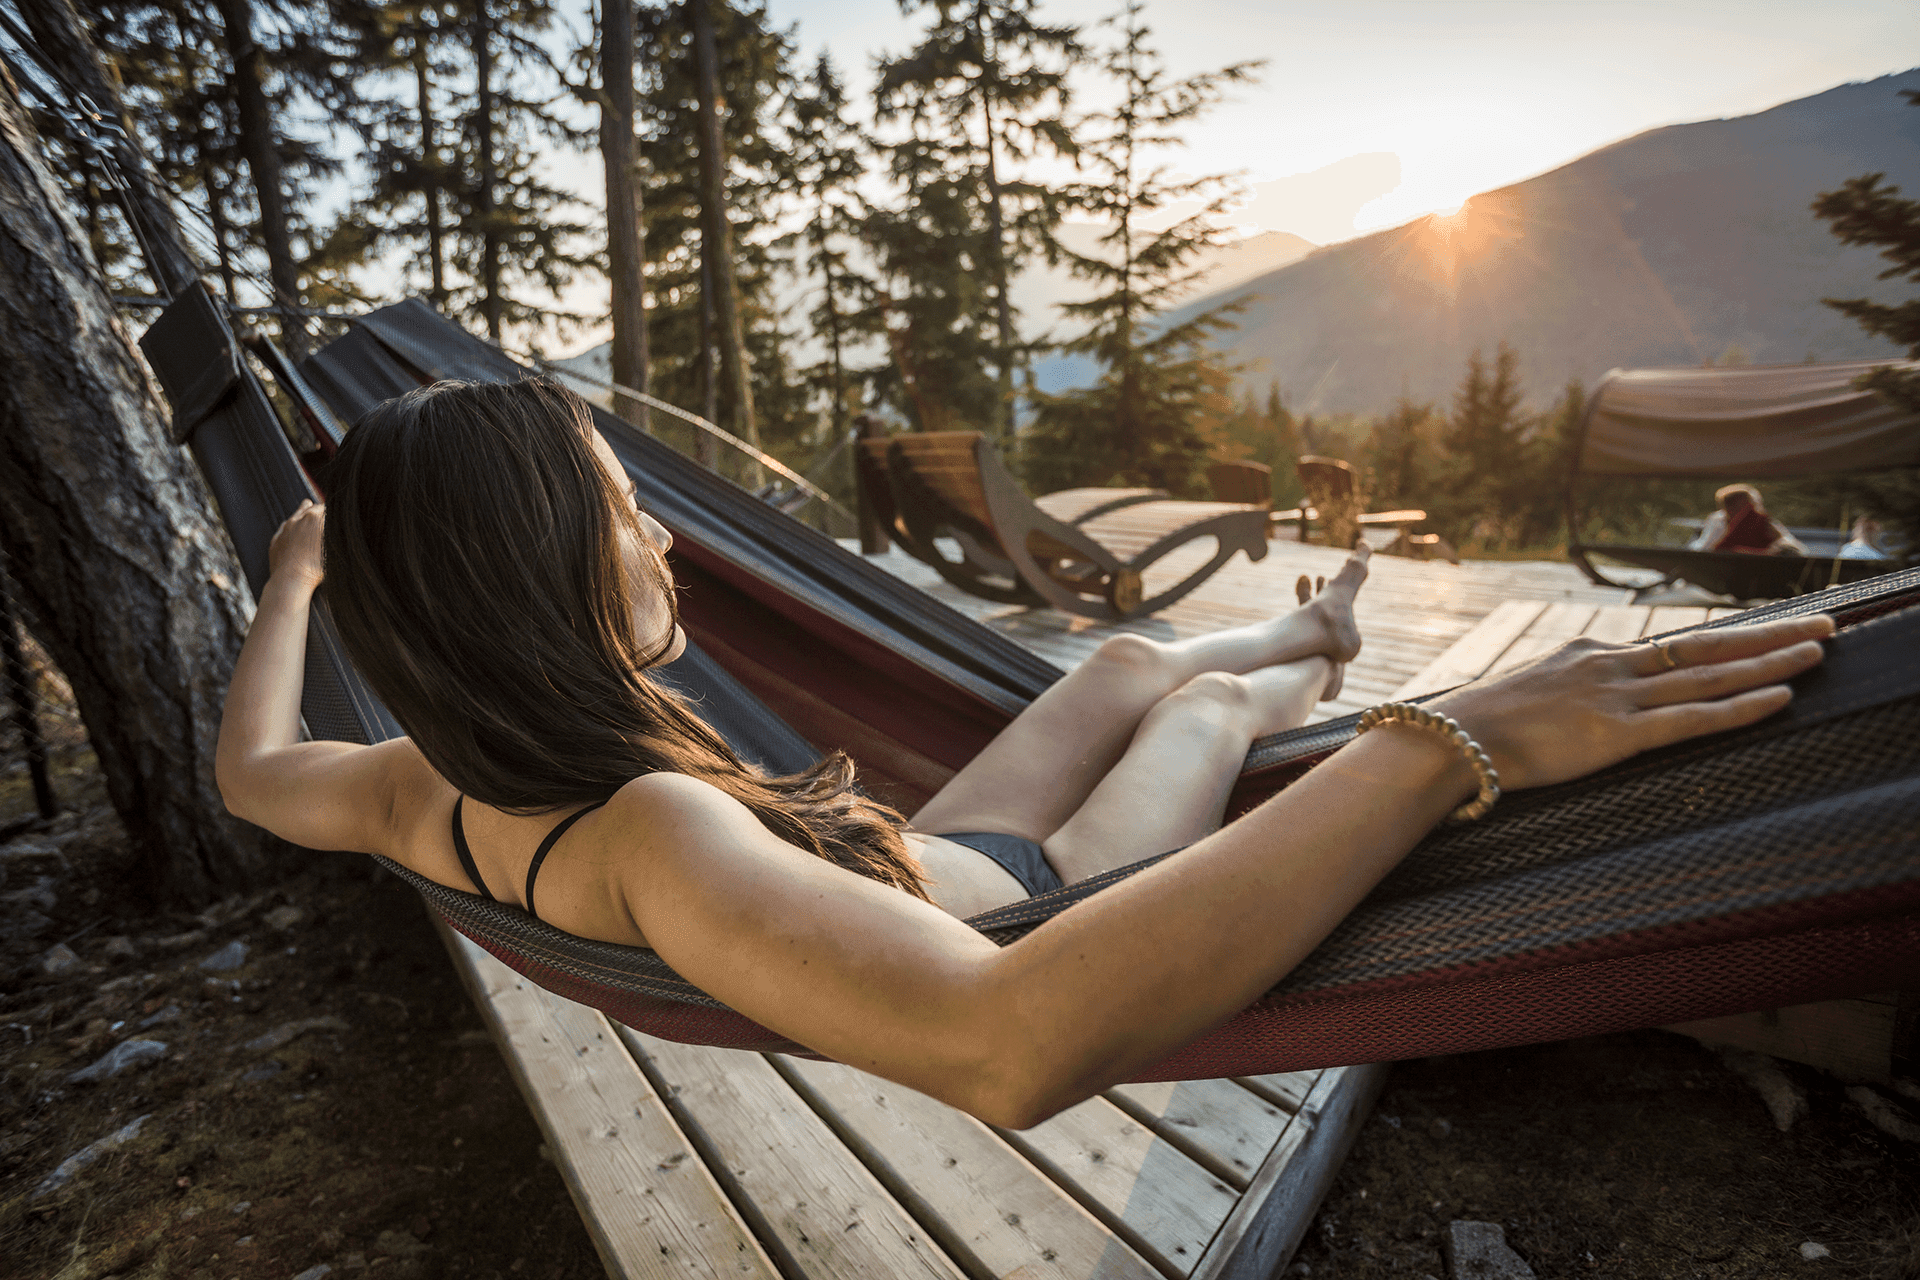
(1449, 728)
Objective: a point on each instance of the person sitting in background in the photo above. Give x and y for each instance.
(1742, 524)
(1865, 544)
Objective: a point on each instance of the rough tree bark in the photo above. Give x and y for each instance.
(716, 237)
(263, 162)
(133, 590)
(626, 248)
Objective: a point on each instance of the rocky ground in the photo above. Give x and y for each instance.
(294, 1085)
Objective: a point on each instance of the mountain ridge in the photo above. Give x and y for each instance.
(1668, 247)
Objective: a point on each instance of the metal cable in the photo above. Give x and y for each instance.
(813, 491)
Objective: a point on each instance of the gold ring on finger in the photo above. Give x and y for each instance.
(1665, 649)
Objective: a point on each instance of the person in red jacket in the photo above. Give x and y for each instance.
(1743, 525)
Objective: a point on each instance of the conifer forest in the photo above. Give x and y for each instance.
(772, 251)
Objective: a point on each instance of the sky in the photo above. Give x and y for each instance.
(1373, 112)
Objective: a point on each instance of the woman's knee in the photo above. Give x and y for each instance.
(1135, 661)
(1216, 701)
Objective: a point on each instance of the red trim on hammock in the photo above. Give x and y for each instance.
(1754, 960)
(895, 696)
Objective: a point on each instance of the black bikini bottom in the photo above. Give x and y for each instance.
(1020, 856)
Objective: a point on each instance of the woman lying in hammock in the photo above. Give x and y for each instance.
(495, 585)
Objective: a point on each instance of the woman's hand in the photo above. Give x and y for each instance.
(295, 549)
(1589, 704)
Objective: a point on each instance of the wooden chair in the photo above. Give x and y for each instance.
(1080, 550)
(1334, 495)
(1241, 481)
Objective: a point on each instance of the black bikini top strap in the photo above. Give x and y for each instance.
(466, 854)
(546, 846)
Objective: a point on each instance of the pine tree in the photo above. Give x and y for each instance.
(212, 125)
(406, 136)
(260, 147)
(148, 217)
(511, 234)
(716, 234)
(1484, 440)
(1870, 211)
(983, 92)
(1142, 423)
(828, 159)
(626, 247)
(1549, 462)
(753, 64)
(930, 299)
(1400, 453)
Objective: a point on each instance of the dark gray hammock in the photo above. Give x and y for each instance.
(1776, 865)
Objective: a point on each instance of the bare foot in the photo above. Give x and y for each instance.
(1333, 609)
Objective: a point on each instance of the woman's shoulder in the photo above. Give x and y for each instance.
(670, 795)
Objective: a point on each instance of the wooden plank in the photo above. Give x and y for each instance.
(993, 1212)
(1671, 617)
(1287, 1091)
(1557, 622)
(811, 1201)
(651, 1206)
(1729, 611)
(1221, 1126)
(1621, 623)
(1853, 1039)
(1258, 1239)
(1144, 1188)
(1476, 651)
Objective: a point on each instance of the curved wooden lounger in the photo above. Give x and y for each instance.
(1080, 550)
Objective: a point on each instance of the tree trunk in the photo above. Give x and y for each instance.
(706, 448)
(626, 246)
(716, 238)
(1003, 306)
(65, 40)
(263, 163)
(842, 411)
(133, 591)
(430, 162)
(483, 205)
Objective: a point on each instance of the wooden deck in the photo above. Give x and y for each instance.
(689, 1161)
(1410, 612)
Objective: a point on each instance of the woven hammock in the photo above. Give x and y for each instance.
(1773, 865)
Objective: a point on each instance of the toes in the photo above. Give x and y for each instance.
(1319, 585)
(1303, 589)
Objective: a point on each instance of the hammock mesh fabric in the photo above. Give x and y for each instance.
(1771, 866)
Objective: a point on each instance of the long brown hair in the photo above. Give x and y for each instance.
(474, 566)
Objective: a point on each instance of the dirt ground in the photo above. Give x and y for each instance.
(330, 1105)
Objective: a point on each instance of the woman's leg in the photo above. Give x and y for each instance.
(1043, 767)
(1171, 786)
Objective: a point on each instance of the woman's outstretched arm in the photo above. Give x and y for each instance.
(897, 987)
(324, 795)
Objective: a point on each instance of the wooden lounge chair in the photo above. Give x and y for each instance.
(1335, 497)
(1083, 551)
(1331, 485)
